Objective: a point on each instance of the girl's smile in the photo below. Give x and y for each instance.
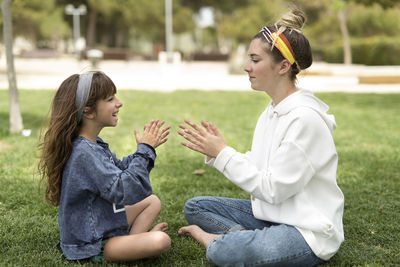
(107, 111)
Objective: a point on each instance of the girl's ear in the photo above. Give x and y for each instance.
(285, 67)
(89, 114)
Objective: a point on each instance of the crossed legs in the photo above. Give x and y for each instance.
(140, 243)
(234, 237)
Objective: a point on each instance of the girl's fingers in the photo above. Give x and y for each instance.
(153, 126)
(165, 134)
(160, 123)
(137, 136)
(163, 141)
(165, 129)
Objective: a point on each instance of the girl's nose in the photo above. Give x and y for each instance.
(119, 103)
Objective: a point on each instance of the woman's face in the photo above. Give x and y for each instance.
(262, 70)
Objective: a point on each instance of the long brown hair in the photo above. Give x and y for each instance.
(64, 128)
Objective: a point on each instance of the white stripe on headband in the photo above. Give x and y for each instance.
(82, 93)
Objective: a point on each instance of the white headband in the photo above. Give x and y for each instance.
(82, 93)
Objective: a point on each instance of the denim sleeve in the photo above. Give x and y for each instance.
(124, 163)
(120, 186)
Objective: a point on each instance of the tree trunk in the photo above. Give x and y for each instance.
(16, 125)
(91, 38)
(345, 36)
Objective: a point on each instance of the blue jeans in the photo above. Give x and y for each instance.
(245, 240)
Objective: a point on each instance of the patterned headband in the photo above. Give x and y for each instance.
(281, 43)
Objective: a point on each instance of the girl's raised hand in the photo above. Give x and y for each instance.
(208, 140)
(153, 135)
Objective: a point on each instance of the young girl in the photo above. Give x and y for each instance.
(106, 206)
(294, 215)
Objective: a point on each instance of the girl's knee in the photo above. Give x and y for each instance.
(161, 241)
(155, 202)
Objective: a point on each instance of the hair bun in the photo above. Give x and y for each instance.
(293, 20)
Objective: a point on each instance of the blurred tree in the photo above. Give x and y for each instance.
(341, 9)
(243, 23)
(380, 21)
(114, 23)
(220, 5)
(382, 3)
(16, 125)
(39, 19)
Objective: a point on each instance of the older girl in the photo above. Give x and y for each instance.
(294, 215)
(106, 206)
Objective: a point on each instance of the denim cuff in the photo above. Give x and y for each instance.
(147, 150)
(236, 228)
(149, 146)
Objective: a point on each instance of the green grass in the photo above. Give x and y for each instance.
(367, 141)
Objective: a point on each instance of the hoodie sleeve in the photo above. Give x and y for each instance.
(291, 166)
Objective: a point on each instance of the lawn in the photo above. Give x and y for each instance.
(367, 139)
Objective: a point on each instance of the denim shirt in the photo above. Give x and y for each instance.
(95, 187)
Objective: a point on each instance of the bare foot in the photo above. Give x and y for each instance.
(163, 227)
(198, 234)
(191, 230)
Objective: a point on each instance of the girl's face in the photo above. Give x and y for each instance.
(107, 111)
(262, 70)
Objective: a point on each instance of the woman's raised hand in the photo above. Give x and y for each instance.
(207, 140)
(153, 134)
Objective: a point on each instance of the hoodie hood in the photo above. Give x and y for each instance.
(305, 98)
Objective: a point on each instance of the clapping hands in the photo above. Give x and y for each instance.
(153, 135)
(206, 140)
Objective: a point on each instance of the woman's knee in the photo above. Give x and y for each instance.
(191, 209)
(218, 254)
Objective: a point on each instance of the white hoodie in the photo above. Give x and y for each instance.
(290, 171)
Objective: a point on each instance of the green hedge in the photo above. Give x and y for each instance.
(377, 50)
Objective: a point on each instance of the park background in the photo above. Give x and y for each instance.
(197, 73)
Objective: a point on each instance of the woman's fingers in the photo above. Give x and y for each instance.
(189, 137)
(196, 127)
(192, 147)
(207, 126)
(215, 130)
